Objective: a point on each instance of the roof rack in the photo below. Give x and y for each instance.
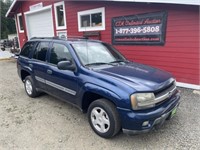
(62, 37)
(77, 37)
(55, 37)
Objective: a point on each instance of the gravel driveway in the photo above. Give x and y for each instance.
(47, 123)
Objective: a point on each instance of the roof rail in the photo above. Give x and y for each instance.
(77, 37)
(55, 37)
(62, 37)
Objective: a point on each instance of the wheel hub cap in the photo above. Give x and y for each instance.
(28, 87)
(100, 120)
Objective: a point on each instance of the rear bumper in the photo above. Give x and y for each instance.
(133, 122)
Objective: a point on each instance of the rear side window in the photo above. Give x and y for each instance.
(59, 53)
(41, 51)
(27, 49)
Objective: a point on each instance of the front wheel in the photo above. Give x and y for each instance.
(104, 118)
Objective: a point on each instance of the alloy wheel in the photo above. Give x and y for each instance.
(29, 88)
(100, 119)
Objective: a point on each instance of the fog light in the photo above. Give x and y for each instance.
(146, 123)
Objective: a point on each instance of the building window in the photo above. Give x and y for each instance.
(59, 11)
(91, 20)
(20, 23)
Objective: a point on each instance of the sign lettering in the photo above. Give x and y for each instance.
(141, 29)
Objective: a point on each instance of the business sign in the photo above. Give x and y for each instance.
(141, 29)
(36, 6)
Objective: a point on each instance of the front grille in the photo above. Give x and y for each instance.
(164, 88)
(165, 94)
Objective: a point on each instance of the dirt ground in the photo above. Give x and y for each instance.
(47, 123)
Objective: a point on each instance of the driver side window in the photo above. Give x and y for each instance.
(59, 53)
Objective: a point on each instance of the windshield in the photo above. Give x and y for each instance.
(96, 53)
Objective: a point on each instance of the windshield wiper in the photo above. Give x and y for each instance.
(117, 61)
(102, 63)
(96, 64)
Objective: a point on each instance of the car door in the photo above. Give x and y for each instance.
(61, 83)
(24, 57)
(39, 64)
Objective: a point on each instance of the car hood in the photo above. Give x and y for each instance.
(138, 76)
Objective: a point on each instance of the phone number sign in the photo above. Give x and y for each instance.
(141, 29)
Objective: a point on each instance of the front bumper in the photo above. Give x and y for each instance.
(132, 122)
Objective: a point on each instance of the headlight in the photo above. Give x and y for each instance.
(174, 82)
(142, 100)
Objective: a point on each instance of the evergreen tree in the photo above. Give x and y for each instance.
(7, 24)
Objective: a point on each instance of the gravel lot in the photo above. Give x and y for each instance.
(47, 123)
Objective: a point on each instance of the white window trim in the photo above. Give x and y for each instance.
(91, 11)
(64, 14)
(18, 15)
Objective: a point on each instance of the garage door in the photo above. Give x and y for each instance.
(40, 24)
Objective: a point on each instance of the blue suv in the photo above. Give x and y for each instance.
(92, 75)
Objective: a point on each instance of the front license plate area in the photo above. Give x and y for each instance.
(173, 112)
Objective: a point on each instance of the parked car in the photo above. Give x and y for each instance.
(92, 75)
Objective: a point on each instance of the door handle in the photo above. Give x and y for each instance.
(49, 71)
(31, 65)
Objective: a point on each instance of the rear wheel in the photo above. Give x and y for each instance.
(104, 118)
(30, 87)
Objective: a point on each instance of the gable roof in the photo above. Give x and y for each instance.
(16, 3)
(11, 10)
(182, 2)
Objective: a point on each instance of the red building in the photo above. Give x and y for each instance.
(160, 34)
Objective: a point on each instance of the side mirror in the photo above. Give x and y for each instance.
(66, 65)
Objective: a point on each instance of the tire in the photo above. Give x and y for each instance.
(30, 87)
(104, 118)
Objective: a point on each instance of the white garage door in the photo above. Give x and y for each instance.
(40, 24)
